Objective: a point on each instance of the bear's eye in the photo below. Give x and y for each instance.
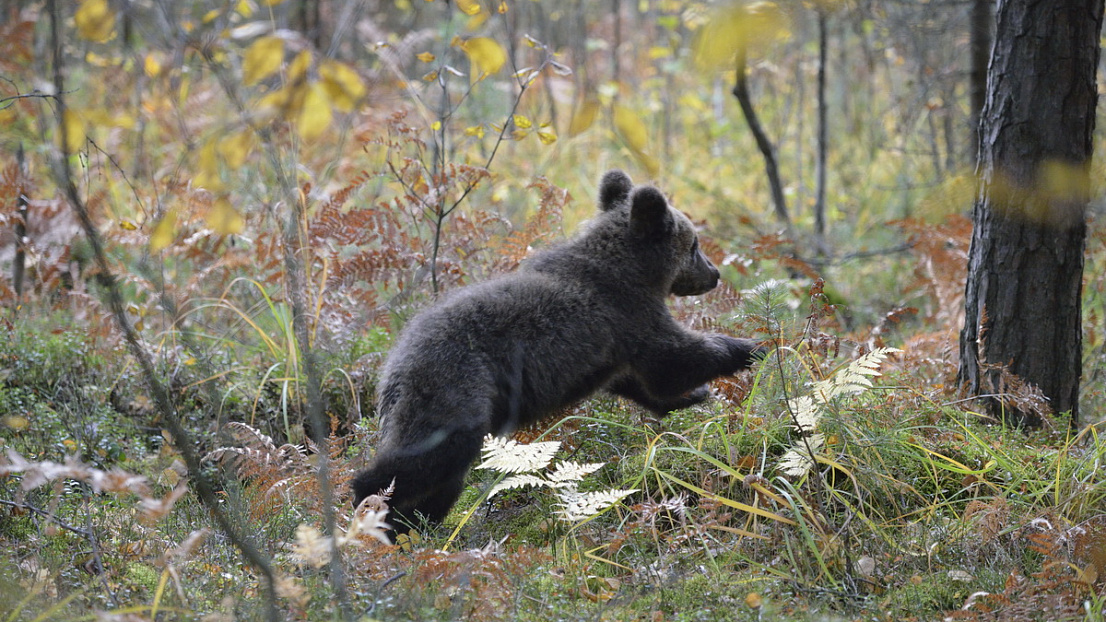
(694, 246)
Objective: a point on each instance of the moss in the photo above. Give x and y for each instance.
(935, 593)
(142, 576)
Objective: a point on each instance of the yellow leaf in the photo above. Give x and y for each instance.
(236, 148)
(297, 69)
(127, 225)
(16, 422)
(185, 88)
(342, 83)
(734, 27)
(522, 122)
(74, 130)
(437, 125)
(98, 60)
(469, 7)
(261, 59)
(547, 136)
(122, 121)
(207, 168)
(164, 231)
(271, 2)
(152, 66)
(752, 599)
(211, 16)
(277, 100)
(584, 116)
(95, 20)
(426, 57)
(502, 7)
(223, 218)
(244, 8)
(476, 130)
(315, 115)
(630, 128)
(430, 77)
(485, 55)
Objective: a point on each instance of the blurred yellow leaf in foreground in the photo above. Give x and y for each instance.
(95, 20)
(486, 56)
(261, 59)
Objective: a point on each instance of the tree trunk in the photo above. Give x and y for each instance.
(1025, 266)
(820, 155)
(982, 25)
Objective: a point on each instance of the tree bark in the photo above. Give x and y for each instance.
(820, 162)
(981, 38)
(1025, 266)
(771, 168)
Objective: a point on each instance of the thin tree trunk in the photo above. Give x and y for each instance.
(820, 164)
(1022, 299)
(741, 92)
(981, 39)
(19, 263)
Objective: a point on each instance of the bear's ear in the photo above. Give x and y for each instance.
(648, 211)
(613, 189)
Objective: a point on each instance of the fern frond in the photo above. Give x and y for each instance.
(806, 412)
(575, 506)
(571, 472)
(798, 461)
(518, 481)
(509, 456)
(854, 378)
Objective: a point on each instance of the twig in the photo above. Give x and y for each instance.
(49, 516)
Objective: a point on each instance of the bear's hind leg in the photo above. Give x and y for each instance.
(428, 480)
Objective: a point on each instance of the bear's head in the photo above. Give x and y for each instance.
(656, 225)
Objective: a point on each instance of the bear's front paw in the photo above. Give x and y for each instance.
(744, 352)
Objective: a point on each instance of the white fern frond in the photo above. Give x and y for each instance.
(806, 412)
(854, 378)
(568, 471)
(576, 506)
(798, 461)
(518, 481)
(509, 456)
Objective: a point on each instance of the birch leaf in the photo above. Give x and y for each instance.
(164, 231)
(262, 59)
(315, 116)
(224, 219)
(342, 84)
(486, 56)
(631, 128)
(95, 20)
(585, 115)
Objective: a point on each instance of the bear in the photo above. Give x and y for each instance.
(587, 314)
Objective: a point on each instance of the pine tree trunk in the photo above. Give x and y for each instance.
(982, 23)
(1025, 267)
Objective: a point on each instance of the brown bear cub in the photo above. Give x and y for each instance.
(585, 315)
